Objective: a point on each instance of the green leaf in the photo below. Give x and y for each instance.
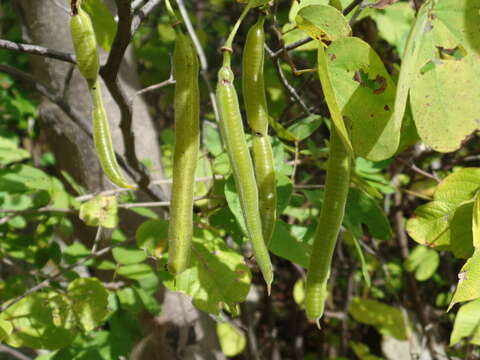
(89, 300)
(423, 261)
(459, 187)
(441, 43)
(443, 226)
(305, 127)
(284, 245)
(232, 340)
(387, 319)
(33, 323)
(10, 152)
(446, 222)
(255, 3)
(394, 23)
(5, 329)
(323, 22)
(22, 178)
(333, 107)
(299, 292)
(469, 281)
(365, 94)
(127, 256)
(298, 5)
(217, 277)
(476, 222)
(100, 211)
(152, 236)
(358, 249)
(280, 130)
(135, 271)
(467, 324)
(104, 24)
(360, 209)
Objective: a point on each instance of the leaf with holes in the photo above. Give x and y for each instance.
(100, 211)
(217, 276)
(365, 94)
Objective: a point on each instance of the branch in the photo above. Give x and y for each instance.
(46, 282)
(109, 72)
(15, 353)
(77, 118)
(37, 50)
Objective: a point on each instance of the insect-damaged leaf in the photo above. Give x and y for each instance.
(217, 276)
(365, 94)
(323, 22)
(442, 42)
(469, 281)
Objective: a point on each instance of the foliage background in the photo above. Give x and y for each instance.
(102, 294)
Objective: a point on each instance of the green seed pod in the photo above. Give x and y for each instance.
(85, 45)
(187, 142)
(103, 140)
(330, 220)
(234, 139)
(257, 116)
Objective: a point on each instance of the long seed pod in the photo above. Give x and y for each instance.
(331, 216)
(231, 127)
(187, 142)
(257, 116)
(85, 45)
(103, 140)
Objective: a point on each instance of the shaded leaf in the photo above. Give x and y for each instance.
(387, 319)
(423, 261)
(89, 300)
(152, 236)
(217, 276)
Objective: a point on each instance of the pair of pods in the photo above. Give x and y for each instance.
(85, 46)
(255, 181)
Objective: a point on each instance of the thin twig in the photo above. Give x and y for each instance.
(46, 282)
(37, 50)
(169, 81)
(13, 352)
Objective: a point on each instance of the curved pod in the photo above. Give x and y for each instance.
(234, 138)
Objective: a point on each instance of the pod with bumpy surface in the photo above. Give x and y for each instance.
(331, 216)
(232, 131)
(257, 116)
(103, 140)
(187, 142)
(85, 45)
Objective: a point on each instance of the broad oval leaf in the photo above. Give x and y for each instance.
(365, 94)
(467, 324)
(33, 324)
(323, 22)
(217, 276)
(100, 211)
(103, 22)
(89, 299)
(469, 281)
(423, 261)
(387, 319)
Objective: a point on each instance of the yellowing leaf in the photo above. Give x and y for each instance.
(232, 340)
(323, 22)
(365, 94)
(100, 211)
